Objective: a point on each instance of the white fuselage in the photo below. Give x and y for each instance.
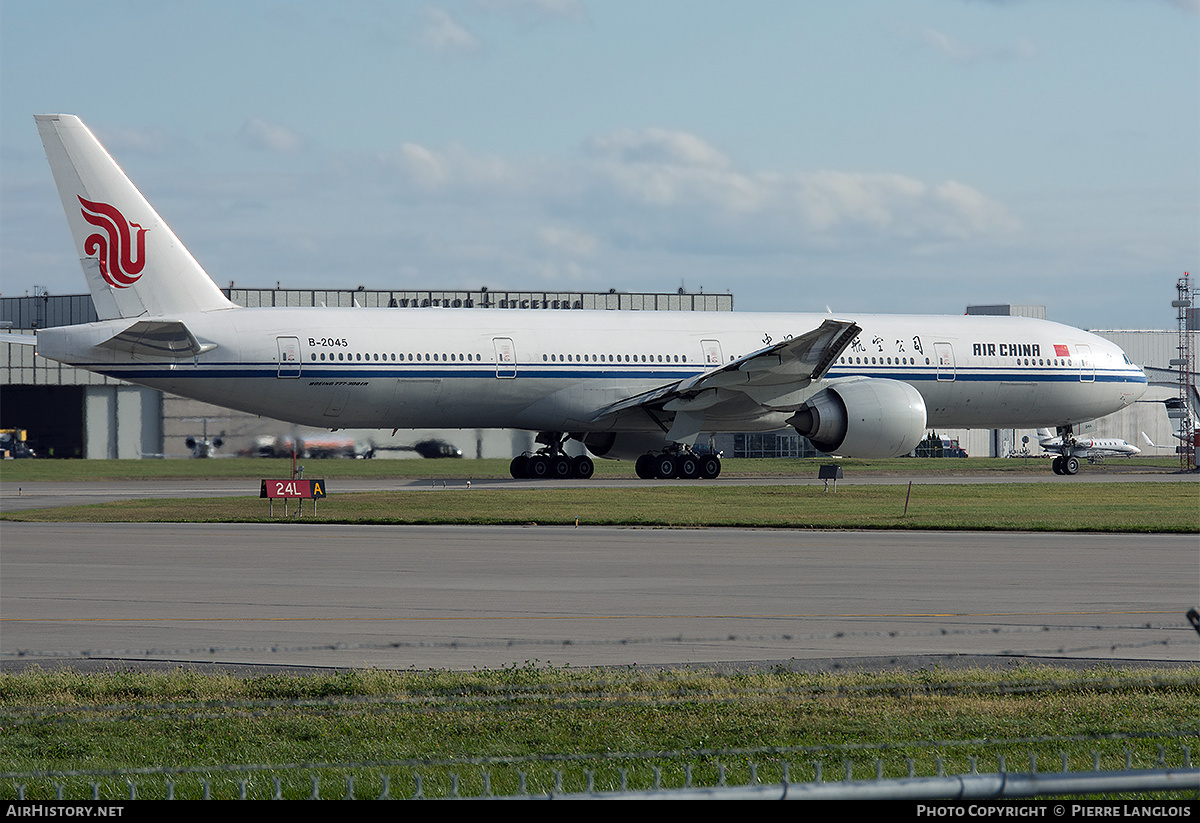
(552, 370)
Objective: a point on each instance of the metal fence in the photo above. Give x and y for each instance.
(1151, 757)
(1151, 766)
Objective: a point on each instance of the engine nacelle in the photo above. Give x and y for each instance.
(868, 417)
(623, 445)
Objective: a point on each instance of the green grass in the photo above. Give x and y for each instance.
(534, 719)
(1067, 507)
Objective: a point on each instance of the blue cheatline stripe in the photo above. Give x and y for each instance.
(342, 371)
(1006, 376)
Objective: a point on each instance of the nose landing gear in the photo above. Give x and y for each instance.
(1066, 463)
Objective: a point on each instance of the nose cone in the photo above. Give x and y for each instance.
(1126, 374)
(1137, 383)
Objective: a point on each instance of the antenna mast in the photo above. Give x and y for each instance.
(1186, 364)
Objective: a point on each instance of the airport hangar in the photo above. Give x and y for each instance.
(68, 412)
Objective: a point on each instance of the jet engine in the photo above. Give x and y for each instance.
(867, 417)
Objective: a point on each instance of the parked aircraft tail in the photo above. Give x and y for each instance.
(134, 265)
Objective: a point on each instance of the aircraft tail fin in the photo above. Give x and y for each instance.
(133, 263)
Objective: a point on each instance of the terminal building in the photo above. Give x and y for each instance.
(72, 413)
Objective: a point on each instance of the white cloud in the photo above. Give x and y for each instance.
(271, 137)
(827, 199)
(657, 188)
(681, 174)
(972, 212)
(152, 140)
(536, 9)
(422, 166)
(441, 32)
(656, 146)
(569, 241)
(960, 51)
(451, 169)
(636, 209)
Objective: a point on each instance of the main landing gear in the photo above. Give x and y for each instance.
(684, 465)
(550, 462)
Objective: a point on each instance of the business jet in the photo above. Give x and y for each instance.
(203, 446)
(1092, 449)
(1156, 446)
(640, 386)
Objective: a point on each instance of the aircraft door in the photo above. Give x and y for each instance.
(1087, 368)
(506, 357)
(289, 356)
(944, 353)
(711, 350)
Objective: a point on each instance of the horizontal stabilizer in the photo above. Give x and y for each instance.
(18, 339)
(158, 339)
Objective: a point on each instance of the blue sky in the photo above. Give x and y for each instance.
(864, 155)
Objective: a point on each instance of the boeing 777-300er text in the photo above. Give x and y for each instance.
(640, 386)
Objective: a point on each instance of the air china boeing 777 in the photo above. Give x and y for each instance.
(638, 386)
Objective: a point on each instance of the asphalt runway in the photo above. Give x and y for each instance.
(296, 595)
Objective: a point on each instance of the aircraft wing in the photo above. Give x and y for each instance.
(775, 378)
(158, 338)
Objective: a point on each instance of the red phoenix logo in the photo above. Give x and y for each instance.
(119, 264)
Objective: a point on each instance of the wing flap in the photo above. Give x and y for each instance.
(775, 377)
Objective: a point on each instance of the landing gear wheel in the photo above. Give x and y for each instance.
(664, 467)
(517, 467)
(644, 467)
(561, 467)
(687, 467)
(1056, 465)
(537, 467)
(584, 468)
(1071, 465)
(710, 466)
